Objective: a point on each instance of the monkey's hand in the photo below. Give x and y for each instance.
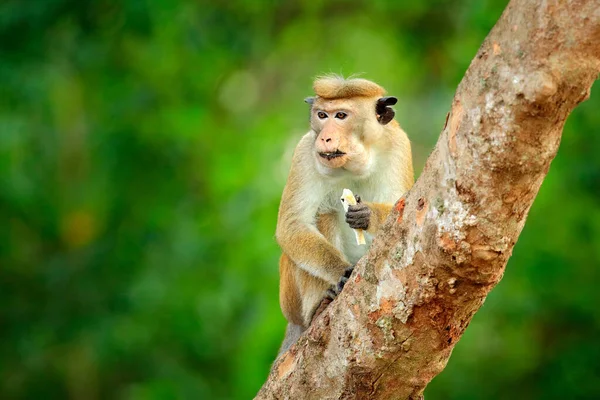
(359, 215)
(334, 290)
(332, 293)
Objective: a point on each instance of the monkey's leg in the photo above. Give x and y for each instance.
(300, 294)
(290, 299)
(312, 290)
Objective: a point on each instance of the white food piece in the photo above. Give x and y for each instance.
(348, 199)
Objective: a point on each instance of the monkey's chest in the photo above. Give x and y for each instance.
(334, 228)
(332, 220)
(348, 245)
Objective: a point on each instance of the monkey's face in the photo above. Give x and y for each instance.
(340, 140)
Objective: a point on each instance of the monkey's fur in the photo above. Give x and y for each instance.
(353, 143)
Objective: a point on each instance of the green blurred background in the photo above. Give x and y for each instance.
(143, 149)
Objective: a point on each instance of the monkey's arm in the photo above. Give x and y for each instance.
(367, 215)
(309, 249)
(297, 232)
(379, 212)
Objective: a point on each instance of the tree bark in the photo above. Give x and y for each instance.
(446, 243)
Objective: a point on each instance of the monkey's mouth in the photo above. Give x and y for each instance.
(331, 156)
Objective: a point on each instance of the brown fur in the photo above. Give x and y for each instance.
(377, 165)
(289, 296)
(336, 87)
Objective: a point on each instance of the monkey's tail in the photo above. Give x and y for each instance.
(292, 333)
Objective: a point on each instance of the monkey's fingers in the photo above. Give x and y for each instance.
(348, 271)
(341, 283)
(361, 225)
(344, 278)
(359, 208)
(331, 293)
(358, 213)
(358, 219)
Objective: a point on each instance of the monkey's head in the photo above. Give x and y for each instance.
(349, 116)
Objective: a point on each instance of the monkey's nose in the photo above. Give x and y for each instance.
(326, 140)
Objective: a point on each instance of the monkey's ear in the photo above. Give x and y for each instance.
(309, 101)
(385, 113)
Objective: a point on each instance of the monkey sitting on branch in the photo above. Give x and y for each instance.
(354, 142)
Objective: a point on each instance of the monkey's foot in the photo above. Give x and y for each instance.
(332, 293)
(334, 290)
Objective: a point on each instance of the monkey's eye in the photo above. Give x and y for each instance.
(341, 115)
(321, 115)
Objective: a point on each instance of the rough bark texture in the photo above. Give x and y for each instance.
(445, 245)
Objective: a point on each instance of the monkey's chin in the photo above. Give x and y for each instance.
(334, 163)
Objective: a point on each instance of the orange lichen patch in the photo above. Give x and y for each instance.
(400, 208)
(386, 305)
(286, 365)
(374, 315)
(496, 48)
(358, 278)
(422, 208)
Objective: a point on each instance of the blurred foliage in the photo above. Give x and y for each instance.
(143, 149)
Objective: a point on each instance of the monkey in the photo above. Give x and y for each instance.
(355, 143)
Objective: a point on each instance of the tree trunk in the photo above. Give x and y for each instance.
(447, 241)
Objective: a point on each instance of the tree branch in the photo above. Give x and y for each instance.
(447, 242)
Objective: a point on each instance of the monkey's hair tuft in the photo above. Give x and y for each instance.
(338, 87)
